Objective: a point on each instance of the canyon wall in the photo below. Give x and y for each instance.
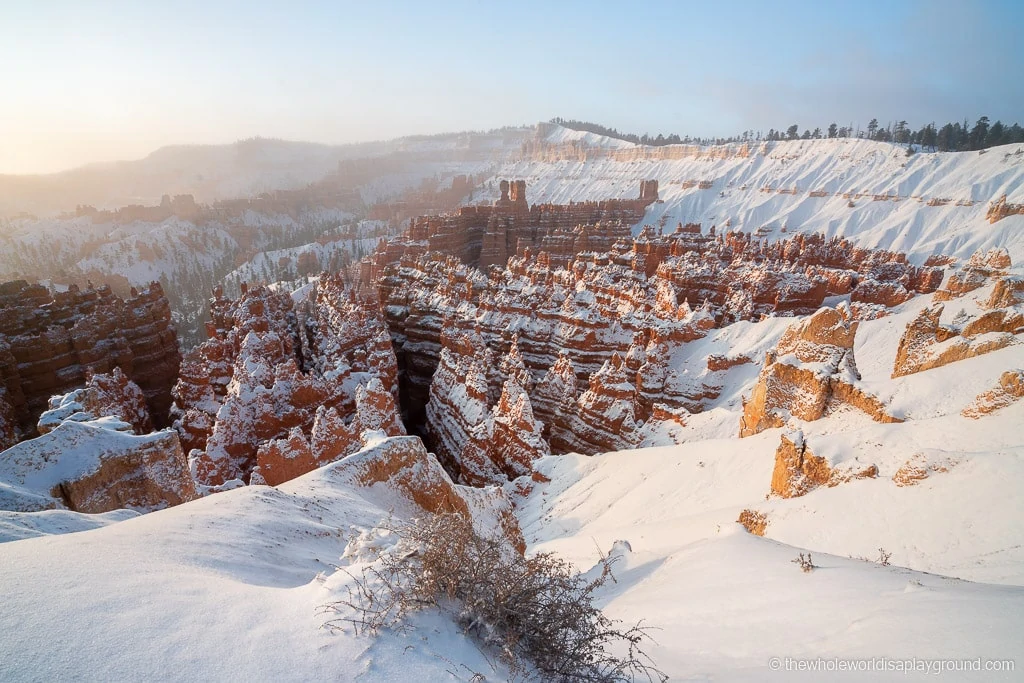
(51, 342)
(594, 328)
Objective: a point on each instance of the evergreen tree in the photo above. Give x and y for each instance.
(979, 133)
(833, 130)
(995, 135)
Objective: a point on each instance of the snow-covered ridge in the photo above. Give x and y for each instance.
(870, 192)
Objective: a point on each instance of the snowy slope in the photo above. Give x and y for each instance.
(835, 167)
(229, 587)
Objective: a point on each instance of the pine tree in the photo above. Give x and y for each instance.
(873, 129)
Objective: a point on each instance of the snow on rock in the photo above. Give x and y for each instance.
(991, 318)
(265, 561)
(866, 191)
(50, 342)
(104, 395)
(272, 367)
(94, 467)
(811, 372)
(1009, 389)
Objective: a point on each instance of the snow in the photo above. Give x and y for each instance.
(844, 165)
(229, 587)
(31, 469)
(232, 586)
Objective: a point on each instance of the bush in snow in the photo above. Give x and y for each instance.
(536, 613)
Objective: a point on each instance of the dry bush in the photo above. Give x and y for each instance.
(805, 563)
(535, 613)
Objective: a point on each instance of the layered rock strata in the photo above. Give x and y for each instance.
(50, 343)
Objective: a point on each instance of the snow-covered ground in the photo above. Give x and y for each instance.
(834, 167)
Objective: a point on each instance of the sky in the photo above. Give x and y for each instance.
(89, 81)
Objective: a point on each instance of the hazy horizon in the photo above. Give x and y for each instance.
(117, 81)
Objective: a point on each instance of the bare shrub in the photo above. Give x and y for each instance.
(883, 557)
(535, 613)
(805, 563)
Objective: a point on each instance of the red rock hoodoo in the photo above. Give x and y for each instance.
(280, 385)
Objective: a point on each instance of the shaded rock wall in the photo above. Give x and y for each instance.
(50, 342)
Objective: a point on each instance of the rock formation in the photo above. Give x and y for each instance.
(279, 460)
(1000, 209)
(1009, 389)
(95, 466)
(404, 465)
(811, 371)
(798, 470)
(919, 467)
(504, 446)
(631, 298)
(50, 342)
(275, 378)
(104, 395)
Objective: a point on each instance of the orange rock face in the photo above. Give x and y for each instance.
(1009, 389)
(1000, 209)
(404, 465)
(90, 468)
(799, 471)
(49, 343)
(811, 372)
(927, 344)
(754, 522)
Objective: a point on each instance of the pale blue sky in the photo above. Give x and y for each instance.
(85, 81)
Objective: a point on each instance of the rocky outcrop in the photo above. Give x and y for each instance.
(974, 274)
(799, 471)
(279, 460)
(104, 395)
(602, 303)
(811, 372)
(94, 467)
(273, 366)
(458, 396)
(483, 235)
(51, 342)
(504, 446)
(927, 343)
(1009, 389)
(9, 431)
(754, 521)
(919, 467)
(606, 414)
(403, 465)
(1000, 209)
